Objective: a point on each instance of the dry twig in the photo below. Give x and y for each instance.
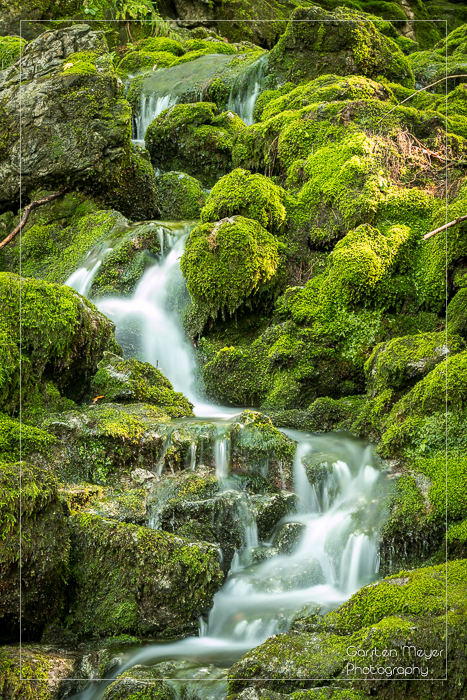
(27, 211)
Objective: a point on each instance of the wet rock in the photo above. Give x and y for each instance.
(160, 682)
(191, 138)
(142, 476)
(287, 537)
(40, 672)
(131, 381)
(129, 579)
(74, 112)
(44, 554)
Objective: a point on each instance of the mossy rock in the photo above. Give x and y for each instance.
(192, 139)
(227, 263)
(323, 415)
(251, 196)
(400, 363)
(35, 672)
(44, 551)
(179, 196)
(63, 335)
(85, 138)
(446, 58)
(457, 313)
(131, 381)
(144, 59)
(317, 42)
(404, 612)
(120, 575)
(325, 88)
(103, 443)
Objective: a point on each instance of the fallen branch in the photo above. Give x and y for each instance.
(27, 211)
(442, 228)
(447, 77)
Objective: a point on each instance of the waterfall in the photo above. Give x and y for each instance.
(332, 560)
(245, 91)
(150, 108)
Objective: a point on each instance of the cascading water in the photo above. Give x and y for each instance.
(245, 91)
(336, 555)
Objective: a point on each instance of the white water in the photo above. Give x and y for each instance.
(245, 92)
(258, 600)
(150, 108)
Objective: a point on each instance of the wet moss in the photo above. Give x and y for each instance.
(131, 381)
(145, 59)
(129, 579)
(228, 262)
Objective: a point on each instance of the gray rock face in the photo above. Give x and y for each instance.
(74, 122)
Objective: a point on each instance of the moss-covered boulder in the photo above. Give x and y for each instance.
(400, 363)
(192, 139)
(129, 579)
(131, 381)
(227, 263)
(179, 196)
(63, 337)
(84, 135)
(400, 615)
(317, 42)
(251, 196)
(29, 495)
(447, 57)
(457, 313)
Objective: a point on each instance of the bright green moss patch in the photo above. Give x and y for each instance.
(226, 263)
(211, 46)
(32, 439)
(130, 381)
(145, 59)
(251, 196)
(121, 575)
(161, 43)
(61, 334)
(10, 48)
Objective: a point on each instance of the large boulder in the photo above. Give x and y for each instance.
(31, 510)
(63, 337)
(344, 42)
(76, 122)
(130, 579)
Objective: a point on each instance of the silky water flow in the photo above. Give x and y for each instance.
(337, 551)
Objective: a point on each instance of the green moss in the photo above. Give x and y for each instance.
(251, 196)
(226, 263)
(210, 46)
(32, 439)
(119, 577)
(179, 196)
(161, 43)
(403, 361)
(10, 49)
(130, 381)
(61, 334)
(457, 313)
(192, 139)
(326, 88)
(322, 46)
(447, 57)
(145, 59)
(29, 494)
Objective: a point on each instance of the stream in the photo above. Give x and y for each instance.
(337, 552)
